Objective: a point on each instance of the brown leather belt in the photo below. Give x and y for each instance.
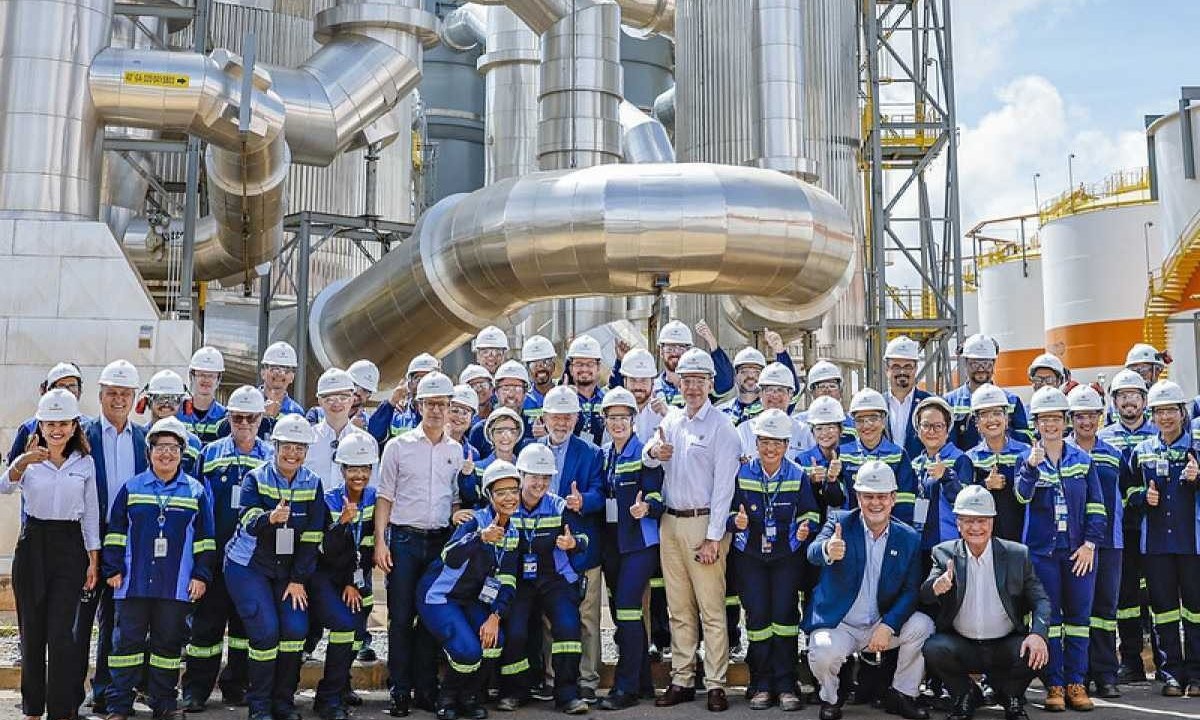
(698, 512)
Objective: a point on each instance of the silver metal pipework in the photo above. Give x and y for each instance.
(511, 83)
(465, 28)
(643, 139)
(777, 113)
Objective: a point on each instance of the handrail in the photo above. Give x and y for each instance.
(1124, 187)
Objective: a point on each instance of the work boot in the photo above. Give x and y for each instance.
(760, 700)
(790, 702)
(1055, 700)
(1077, 698)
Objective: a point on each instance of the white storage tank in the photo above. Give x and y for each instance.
(1010, 310)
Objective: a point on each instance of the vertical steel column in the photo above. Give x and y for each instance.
(876, 291)
(303, 253)
(191, 197)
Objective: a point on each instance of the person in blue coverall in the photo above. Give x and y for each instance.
(941, 470)
(996, 459)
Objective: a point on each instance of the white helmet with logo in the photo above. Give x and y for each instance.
(490, 337)
(696, 362)
(466, 395)
(56, 405)
(434, 384)
(975, 501)
(536, 348)
(584, 347)
(866, 400)
(63, 370)
(1048, 400)
(825, 411)
(281, 354)
(497, 415)
(537, 459)
(986, 396)
(1084, 398)
(365, 374)
(675, 333)
(774, 424)
(902, 347)
(1127, 380)
(749, 356)
(358, 449)
(618, 397)
(120, 373)
(334, 380)
(1164, 393)
(472, 373)
(166, 382)
(777, 375)
(937, 402)
(512, 370)
(247, 399)
(169, 426)
(1050, 362)
(875, 476)
(639, 363)
(207, 359)
(499, 470)
(423, 363)
(978, 347)
(561, 400)
(1143, 353)
(293, 428)
(822, 371)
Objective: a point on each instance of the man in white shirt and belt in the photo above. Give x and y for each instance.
(698, 449)
(418, 493)
(335, 398)
(981, 622)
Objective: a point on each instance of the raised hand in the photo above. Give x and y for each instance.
(995, 481)
(945, 581)
(664, 450)
(640, 508)
(349, 512)
(741, 521)
(937, 469)
(1036, 455)
(575, 498)
(1152, 497)
(835, 547)
(281, 513)
(774, 341)
(566, 541)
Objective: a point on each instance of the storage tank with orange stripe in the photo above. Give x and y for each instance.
(1010, 311)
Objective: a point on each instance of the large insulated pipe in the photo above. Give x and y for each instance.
(512, 82)
(777, 113)
(643, 139)
(605, 230)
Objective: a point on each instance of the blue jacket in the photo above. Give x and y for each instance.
(899, 578)
(583, 465)
(1171, 527)
(965, 434)
(205, 425)
(740, 412)
(253, 545)
(388, 421)
(343, 544)
(1037, 488)
(470, 484)
(940, 525)
(787, 499)
(468, 560)
(590, 425)
(911, 442)
(480, 442)
(854, 455)
(1114, 477)
(222, 469)
(146, 509)
(95, 435)
(1010, 513)
(1125, 440)
(624, 478)
(828, 494)
(539, 529)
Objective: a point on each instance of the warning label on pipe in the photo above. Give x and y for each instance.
(157, 79)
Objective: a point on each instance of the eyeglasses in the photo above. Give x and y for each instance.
(506, 492)
(278, 368)
(673, 348)
(990, 413)
(826, 386)
(1050, 419)
(511, 387)
(166, 448)
(1086, 415)
(618, 418)
(166, 399)
(980, 364)
(291, 447)
(490, 352)
(460, 411)
(902, 367)
(240, 419)
(338, 397)
(585, 365)
(547, 364)
(691, 381)
(435, 405)
(775, 443)
(505, 430)
(868, 418)
(70, 387)
(932, 427)
(1038, 381)
(775, 390)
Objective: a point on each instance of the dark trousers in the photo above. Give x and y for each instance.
(213, 613)
(330, 612)
(157, 626)
(96, 610)
(1102, 643)
(276, 631)
(1070, 613)
(660, 622)
(627, 576)
(733, 608)
(560, 602)
(770, 595)
(1174, 585)
(49, 566)
(412, 652)
(456, 627)
(1132, 605)
(952, 657)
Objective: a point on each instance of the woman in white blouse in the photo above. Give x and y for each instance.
(57, 554)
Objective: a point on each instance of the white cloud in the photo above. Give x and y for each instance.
(985, 34)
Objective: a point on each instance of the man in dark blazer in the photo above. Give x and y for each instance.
(866, 598)
(119, 451)
(903, 396)
(984, 588)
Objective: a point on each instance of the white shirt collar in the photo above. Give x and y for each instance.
(105, 425)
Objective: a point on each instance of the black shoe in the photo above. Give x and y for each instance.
(446, 710)
(235, 696)
(194, 705)
(897, 703)
(617, 700)
(351, 699)
(290, 713)
(331, 712)
(573, 707)
(399, 707)
(1171, 687)
(1107, 690)
(830, 711)
(1193, 689)
(543, 692)
(988, 697)
(1131, 675)
(367, 654)
(472, 710)
(1014, 709)
(588, 695)
(508, 704)
(963, 708)
(425, 701)
(675, 694)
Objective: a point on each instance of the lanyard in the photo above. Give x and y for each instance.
(291, 491)
(356, 526)
(611, 475)
(162, 508)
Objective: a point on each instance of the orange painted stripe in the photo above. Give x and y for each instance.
(1012, 367)
(1096, 344)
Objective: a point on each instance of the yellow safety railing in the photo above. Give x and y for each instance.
(1167, 286)
(1125, 187)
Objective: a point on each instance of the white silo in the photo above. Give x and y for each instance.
(1010, 311)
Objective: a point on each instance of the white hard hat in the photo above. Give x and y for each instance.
(1048, 361)
(512, 370)
(584, 347)
(435, 384)
(358, 449)
(749, 356)
(986, 396)
(1143, 353)
(777, 374)
(978, 347)
(207, 359)
(169, 426)
(497, 471)
(293, 428)
(498, 414)
(247, 399)
(822, 371)
(902, 347)
(1164, 393)
(165, 382)
(825, 411)
(1127, 380)
(867, 399)
(474, 372)
(935, 401)
(423, 363)
(561, 400)
(490, 337)
(1084, 398)
(974, 501)
(537, 347)
(675, 333)
(120, 373)
(334, 380)
(639, 363)
(280, 353)
(466, 395)
(365, 374)
(875, 476)
(537, 459)
(696, 362)
(1048, 400)
(772, 424)
(57, 404)
(618, 397)
(62, 370)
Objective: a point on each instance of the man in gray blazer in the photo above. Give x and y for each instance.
(983, 588)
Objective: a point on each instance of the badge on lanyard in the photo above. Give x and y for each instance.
(529, 566)
(1163, 466)
(1060, 510)
(920, 511)
(285, 541)
(235, 497)
(490, 590)
(160, 547)
(360, 579)
(610, 509)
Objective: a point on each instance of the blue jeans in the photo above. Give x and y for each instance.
(412, 651)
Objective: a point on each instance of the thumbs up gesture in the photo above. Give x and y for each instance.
(741, 521)
(493, 533)
(659, 404)
(937, 469)
(835, 467)
(639, 508)
(1152, 495)
(281, 513)
(349, 510)
(34, 454)
(802, 531)
(663, 450)
(835, 547)
(575, 498)
(1191, 470)
(818, 473)
(1036, 455)
(539, 427)
(566, 541)
(945, 581)
(995, 481)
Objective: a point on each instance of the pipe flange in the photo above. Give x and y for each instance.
(374, 15)
(799, 168)
(507, 57)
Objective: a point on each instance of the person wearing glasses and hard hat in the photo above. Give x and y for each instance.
(978, 354)
(205, 414)
(941, 470)
(997, 457)
(464, 406)
(512, 386)
(278, 371)
(165, 397)
(539, 358)
(224, 465)
(584, 362)
(675, 339)
(900, 360)
(335, 398)
(64, 375)
(365, 376)
(776, 385)
(482, 382)
(467, 594)
(399, 412)
(503, 430)
(824, 379)
(747, 366)
(158, 559)
(491, 348)
(1047, 370)
(869, 411)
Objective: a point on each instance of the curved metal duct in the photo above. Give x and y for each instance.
(664, 110)
(649, 17)
(777, 49)
(605, 230)
(643, 139)
(465, 28)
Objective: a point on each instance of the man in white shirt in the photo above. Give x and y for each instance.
(638, 371)
(900, 361)
(980, 621)
(418, 494)
(698, 449)
(335, 397)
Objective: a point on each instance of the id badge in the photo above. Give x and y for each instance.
(767, 545)
(610, 510)
(360, 578)
(1060, 511)
(160, 547)
(489, 591)
(770, 531)
(285, 541)
(529, 566)
(921, 511)
(235, 497)
(1163, 467)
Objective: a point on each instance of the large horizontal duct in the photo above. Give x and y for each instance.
(604, 230)
(647, 17)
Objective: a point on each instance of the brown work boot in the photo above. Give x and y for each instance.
(1054, 699)
(1078, 699)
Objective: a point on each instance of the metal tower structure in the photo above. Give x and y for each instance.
(910, 164)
